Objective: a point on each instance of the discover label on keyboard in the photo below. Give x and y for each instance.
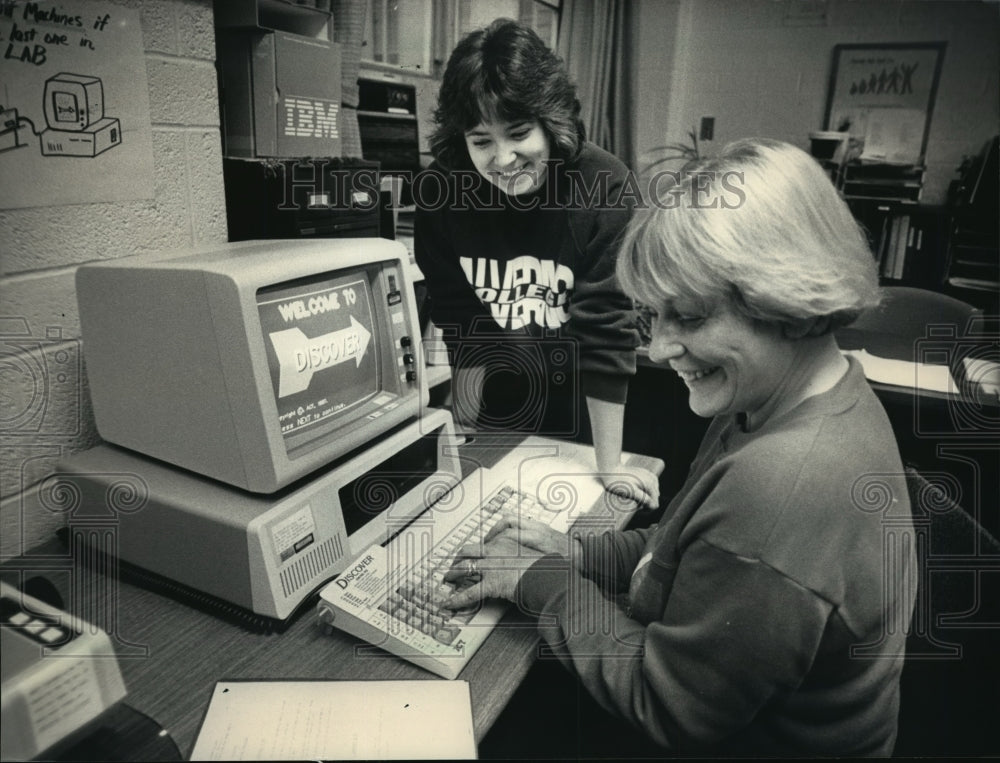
(361, 602)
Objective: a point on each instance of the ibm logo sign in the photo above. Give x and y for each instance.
(309, 118)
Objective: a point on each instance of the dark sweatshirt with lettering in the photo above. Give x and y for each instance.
(525, 286)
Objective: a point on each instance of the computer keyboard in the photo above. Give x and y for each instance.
(390, 595)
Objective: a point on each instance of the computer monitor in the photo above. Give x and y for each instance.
(73, 102)
(253, 363)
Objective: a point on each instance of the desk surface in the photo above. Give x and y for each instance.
(171, 654)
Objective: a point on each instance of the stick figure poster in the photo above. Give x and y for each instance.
(884, 95)
(74, 104)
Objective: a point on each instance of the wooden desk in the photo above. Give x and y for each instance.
(171, 654)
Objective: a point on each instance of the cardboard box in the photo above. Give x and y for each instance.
(281, 94)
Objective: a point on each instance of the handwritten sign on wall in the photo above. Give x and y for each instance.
(74, 104)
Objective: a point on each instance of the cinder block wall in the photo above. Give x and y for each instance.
(43, 388)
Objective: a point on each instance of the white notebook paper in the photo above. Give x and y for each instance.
(337, 720)
(902, 373)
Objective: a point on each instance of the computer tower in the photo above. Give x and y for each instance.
(302, 198)
(387, 120)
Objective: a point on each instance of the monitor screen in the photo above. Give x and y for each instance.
(65, 107)
(73, 102)
(319, 350)
(254, 363)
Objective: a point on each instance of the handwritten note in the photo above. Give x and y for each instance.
(74, 104)
(337, 720)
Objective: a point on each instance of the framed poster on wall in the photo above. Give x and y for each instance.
(883, 95)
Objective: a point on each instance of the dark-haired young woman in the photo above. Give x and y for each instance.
(516, 230)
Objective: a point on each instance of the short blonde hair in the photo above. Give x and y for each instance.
(759, 224)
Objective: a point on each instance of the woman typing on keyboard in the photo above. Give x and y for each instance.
(765, 613)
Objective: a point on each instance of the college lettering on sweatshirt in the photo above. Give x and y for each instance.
(521, 291)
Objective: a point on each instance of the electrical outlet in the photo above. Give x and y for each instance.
(707, 131)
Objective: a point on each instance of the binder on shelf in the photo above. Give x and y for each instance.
(889, 264)
(882, 249)
(914, 244)
(902, 238)
(909, 240)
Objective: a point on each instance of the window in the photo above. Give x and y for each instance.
(399, 33)
(419, 35)
(475, 14)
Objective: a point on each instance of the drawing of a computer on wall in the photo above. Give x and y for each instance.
(11, 130)
(74, 114)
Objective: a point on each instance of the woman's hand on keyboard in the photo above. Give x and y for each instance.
(490, 571)
(531, 533)
(635, 484)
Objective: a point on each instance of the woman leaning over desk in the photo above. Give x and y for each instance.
(763, 614)
(516, 229)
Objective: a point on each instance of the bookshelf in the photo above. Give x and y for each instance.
(907, 238)
(950, 248)
(909, 241)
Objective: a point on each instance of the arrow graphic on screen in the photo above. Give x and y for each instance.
(299, 357)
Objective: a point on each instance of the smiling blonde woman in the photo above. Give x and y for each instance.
(766, 613)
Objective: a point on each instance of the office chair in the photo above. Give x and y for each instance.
(925, 327)
(906, 316)
(950, 686)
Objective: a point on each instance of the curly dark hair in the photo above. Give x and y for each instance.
(505, 73)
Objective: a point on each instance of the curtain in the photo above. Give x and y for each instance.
(598, 40)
